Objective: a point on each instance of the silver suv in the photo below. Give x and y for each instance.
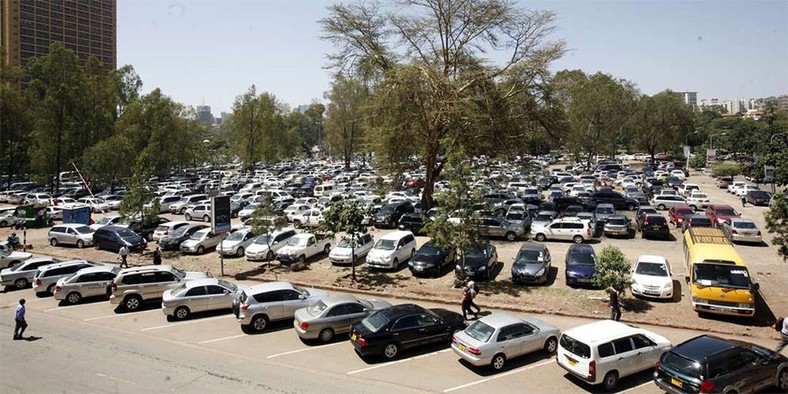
(261, 304)
(133, 286)
(566, 229)
(87, 282)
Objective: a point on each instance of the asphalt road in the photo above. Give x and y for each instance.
(91, 348)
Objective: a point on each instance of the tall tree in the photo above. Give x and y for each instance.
(426, 62)
(660, 122)
(258, 128)
(344, 116)
(16, 124)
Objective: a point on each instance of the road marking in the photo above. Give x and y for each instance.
(304, 350)
(114, 378)
(396, 362)
(635, 388)
(514, 371)
(221, 339)
(184, 322)
(121, 314)
(65, 307)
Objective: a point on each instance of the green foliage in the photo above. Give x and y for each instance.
(265, 220)
(698, 161)
(613, 270)
(139, 194)
(105, 164)
(16, 123)
(344, 125)
(660, 122)
(347, 216)
(777, 224)
(726, 169)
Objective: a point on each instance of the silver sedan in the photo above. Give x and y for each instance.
(87, 282)
(333, 315)
(496, 338)
(199, 295)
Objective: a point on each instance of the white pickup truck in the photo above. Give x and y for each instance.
(303, 246)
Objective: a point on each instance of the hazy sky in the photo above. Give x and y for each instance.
(210, 51)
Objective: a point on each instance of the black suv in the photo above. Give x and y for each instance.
(655, 226)
(618, 201)
(708, 364)
(412, 222)
(388, 216)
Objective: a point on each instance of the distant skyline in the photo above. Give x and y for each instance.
(208, 52)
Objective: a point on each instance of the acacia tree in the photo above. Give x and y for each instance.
(425, 62)
(344, 116)
(265, 221)
(258, 128)
(660, 122)
(347, 217)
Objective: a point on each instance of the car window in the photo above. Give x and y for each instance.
(641, 341)
(289, 295)
(87, 278)
(196, 291)
(406, 322)
(622, 345)
(425, 320)
(605, 350)
(105, 276)
(213, 289)
(164, 277)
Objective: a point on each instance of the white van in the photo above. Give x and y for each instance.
(607, 350)
(325, 189)
(274, 195)
(392, 249)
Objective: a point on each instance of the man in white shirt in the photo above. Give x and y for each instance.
(123, 254)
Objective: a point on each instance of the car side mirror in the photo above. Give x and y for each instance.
(755, 287)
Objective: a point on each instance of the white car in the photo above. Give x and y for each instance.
(247, 211)
(698, 200)
(689, 188)
(236, 243)
(341, 254)
(295, 210)
(95, 204)
(392, 249)
(66, 203)
(166, 229)
(200, 241)
(735, 185)
(651, 277)
(106, 221)
(606, 351)
(678, 174)
(265, 246)
(309, 218)
(742, 191)
(10, 258)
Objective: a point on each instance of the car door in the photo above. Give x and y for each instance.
(99, 285)
(82, 284)
(196, 299)
(556, 230)
(509, 340)
(291, 301)
(646, 352)
(626, 356)
(406, 331)
(163, 280)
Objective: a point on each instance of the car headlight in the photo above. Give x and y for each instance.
(667, 285)
(482, 268)
(540, 272)
(745, 305)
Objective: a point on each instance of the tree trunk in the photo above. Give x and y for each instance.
(429, 183)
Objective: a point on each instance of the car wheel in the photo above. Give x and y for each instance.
(3, 223)
(182, 211)
(782, 380)
(661, 207)
(53, 242)
(132, 303)
(240, 251)
(187, 217)
(326, 335)
(80, 244)
(206, 218)
(200, 249)
(395, 263)
(73, 298)
(578, 239)
(611, 381)
(51, 289)
(246, 329)
(259, 323)
(510, 236)
(551, 345)
(630, 207)
(327, 250)
(302, 259)
(390, 351)
(296, 224)
(694, 208)
(540, 237)
(181, 313)
(498, 361)
(20, 283)
(437, 272)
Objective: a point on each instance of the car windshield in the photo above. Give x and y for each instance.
(529, 257)
(515, 216)
(348, 243)
(700, 221)
(684, 212)
(386, 244)
(199, 235)
(105, 220)
(236, 236)
(180, 288)
(386, 209)
(84, 230)
(651, 269)
(228, 285)
(180, 231)
(721, 275)
(617, 221)
(543, 218)
(575, 347)
(375, 321)
(605, 210)
(686, 366)
(726, 212)
(745, 225)
(476, 253)
(263, 239)
(178, 273)
(317, 308)
(480, 331)
(429, 250)
(581, 259)
(126, 233)
(297, 242)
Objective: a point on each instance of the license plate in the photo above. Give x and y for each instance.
(676, 383)
(353, 337)
(462, 347)
(571, 362)
(651, 293)
(584, 280)
(655, 227)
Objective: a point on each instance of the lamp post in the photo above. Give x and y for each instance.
(771, 140)
(711, 139)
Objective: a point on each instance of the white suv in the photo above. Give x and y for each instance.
(392, 249)
(605, 351)
(567, 229)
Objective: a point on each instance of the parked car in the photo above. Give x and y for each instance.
(413, 222)
(134, 286)
(723, 182)
(399, 327)
(165, 229)
(655, 226)
(532, 264)
(144, 229)
(479, 262)
(179, 207)
(198, 212)
(652, 277)
(618, 225)
(258, 305)
(603, 352)
(173, 240)
(95, 204)
(333, 315)
(21, 275)
(10, 258)
(543, 218)
(392, 249)
(719, 213)
(201, 241)
(343, 252)
(567, 229)
(265, 246)
(580, 265)
(309, 218)
(106, 221)
(696, 221)
(71, 234)
(47, 276)
(709, 364)
(236, 243)
(304, 246)
(199, 295)
(758, 198)
(113, 237)
(431, 259)
(664, 202)
(742, 230)
(388, 216)
(698, 200)
(496, 227)
(618, 201)
(677, 214)
(641, 214)
(604, 211)
(85, 283)
(519, 218)
(499, 337)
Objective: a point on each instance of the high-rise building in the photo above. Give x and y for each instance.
(88, 27)
(690, 98)
(204, 114)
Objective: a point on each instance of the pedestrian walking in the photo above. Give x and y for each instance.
(21, 323)
(782, 327)
(123, 255)
(157, 256)
(474, 291)
(466, 301)
(615, 305)
(743, 200)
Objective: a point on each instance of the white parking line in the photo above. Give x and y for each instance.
(65, 307)
(498, 376)
(304, 350)
(636, 387)
(185, 322)
(397, 362)
(121, 314)
(114, 378)
(222, 339)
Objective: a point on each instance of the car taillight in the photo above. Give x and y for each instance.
(759, 233)
(166, 233)
(734, 232)
(57, 288)
(361, 342)
(588, 231)
(592, 370)
(38, 282)
(706, 386)
(474, 351)
(114, 286)
(656, 365)
(304, 325)
(244, 307)
(453, 339)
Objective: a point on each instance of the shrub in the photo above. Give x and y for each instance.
(697, 162)
(726, 169)
(612, 270)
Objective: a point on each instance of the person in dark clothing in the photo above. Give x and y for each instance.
(466, 301)
(615, 306)
(474, 291)
(13, 241)
(21, 323)
(157, 256)
(743, 200)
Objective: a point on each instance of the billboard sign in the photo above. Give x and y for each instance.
(711, 155)
(687, 151)
(768, 173)
(220, 214)
(77, 215)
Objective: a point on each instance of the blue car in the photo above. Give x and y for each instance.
(580, 265)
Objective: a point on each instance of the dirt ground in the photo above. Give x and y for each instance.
(555, 298)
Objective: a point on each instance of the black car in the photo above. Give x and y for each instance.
(691, 221)
(431, 259)
(618, 201)
(563, 203)
(413, 222)
(532, 264)
(113, 237)
(147, 228)
(479, 262)
(580, 265)
(708, 364)
(173, 241)
(758, 197)
(641, 214)
(655, 226)
(399, 327)
(388, 215)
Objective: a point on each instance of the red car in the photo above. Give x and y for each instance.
(718, 213)
(677, 214)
